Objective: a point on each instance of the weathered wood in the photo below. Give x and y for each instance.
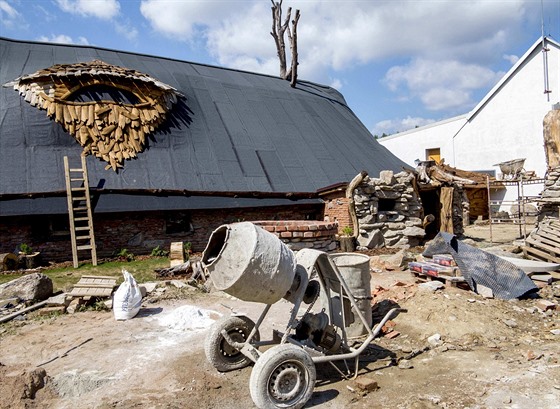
(172, 271)
(28, 309)
(8, 261)
(551, 134)
(446, 212)
(354, 183)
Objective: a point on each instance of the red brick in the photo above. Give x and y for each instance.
(366, 384)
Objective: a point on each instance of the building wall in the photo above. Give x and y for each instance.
(140, 232)
(506, 126)
(412, 145)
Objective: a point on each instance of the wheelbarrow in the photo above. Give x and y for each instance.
(252, 264)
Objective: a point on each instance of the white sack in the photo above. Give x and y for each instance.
(127, 298)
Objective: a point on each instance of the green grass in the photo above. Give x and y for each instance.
(65, 277)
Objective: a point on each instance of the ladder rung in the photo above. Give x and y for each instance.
(83, 228)
(76, 179)
(84, 247)
(80, 209)
(83, 237)
(76, 170)
(81, 219)
(79, 198)
(78, 189)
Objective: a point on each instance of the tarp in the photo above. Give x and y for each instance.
(482, 268)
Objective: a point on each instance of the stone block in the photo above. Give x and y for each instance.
(373, 239)
(545, 305)
(366, 384)
(387, 177)
(414, 231)
(35, 286)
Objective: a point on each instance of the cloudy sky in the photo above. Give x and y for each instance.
(398, 63)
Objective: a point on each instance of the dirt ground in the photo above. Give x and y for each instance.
(491, 354)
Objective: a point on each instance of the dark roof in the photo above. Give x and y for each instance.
(235, 134)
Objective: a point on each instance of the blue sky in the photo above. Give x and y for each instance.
(398, 63)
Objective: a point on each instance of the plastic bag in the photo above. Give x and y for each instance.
(127, 298)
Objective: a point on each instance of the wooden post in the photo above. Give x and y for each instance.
(446, 212)
(489, 207)
(351, 204)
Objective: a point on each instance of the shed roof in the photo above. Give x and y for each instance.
(236, 133)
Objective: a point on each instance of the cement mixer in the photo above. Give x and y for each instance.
(252, 264)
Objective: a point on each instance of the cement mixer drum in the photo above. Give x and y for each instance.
(246, 261)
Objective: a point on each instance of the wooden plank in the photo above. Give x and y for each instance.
(540, 255)
(100, 277)
(549, 234)
(544, 244)
(93, 285)
(446, 212)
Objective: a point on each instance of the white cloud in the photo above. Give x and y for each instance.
(441, 85)
(445, 45)
(103, 9)
(63, 39)
(336, 84)
(184, 20)
(511, 58)
(127, 30)
(8, 15)
(392, 126)
(7, 10)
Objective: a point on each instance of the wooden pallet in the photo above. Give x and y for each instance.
(94, 286)
(447, 280)
(544, 243)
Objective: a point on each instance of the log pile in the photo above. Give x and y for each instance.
(110, 130)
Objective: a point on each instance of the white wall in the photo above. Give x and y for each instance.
(506, 125)
(411, 145)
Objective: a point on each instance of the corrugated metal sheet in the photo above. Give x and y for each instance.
(235, 132)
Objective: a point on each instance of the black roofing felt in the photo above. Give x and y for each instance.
(234, 132)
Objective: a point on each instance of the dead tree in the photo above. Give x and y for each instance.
(278, 30)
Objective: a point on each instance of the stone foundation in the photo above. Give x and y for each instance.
(389, 211)
(303, 234)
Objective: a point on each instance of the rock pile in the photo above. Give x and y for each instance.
(389, 211)
(551, 194)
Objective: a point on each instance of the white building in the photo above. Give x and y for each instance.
(507, 124)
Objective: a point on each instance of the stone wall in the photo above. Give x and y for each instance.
(389, 211)
(301, 234)
(140, 232)
(550, 205)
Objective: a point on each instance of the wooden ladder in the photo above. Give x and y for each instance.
(79, 211)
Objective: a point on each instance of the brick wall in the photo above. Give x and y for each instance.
(336, 208)
(300, 234)
(140, 232)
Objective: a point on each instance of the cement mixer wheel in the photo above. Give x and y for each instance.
(283, 377)
(219, 353)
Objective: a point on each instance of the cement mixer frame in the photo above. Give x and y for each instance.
(284, 375)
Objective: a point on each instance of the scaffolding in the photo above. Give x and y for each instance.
(520, 217)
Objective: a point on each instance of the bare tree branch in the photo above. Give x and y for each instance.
(293, 46)
(278, 29)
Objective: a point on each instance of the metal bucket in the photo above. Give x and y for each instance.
(354, 268)
(249, 263)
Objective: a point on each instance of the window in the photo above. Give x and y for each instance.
(433, 154)
(178, 223)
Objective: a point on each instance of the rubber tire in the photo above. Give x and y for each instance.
(219, 353)
(285, 357)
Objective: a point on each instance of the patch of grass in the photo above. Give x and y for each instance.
(65, 277)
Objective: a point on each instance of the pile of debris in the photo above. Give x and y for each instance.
(455, 263)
